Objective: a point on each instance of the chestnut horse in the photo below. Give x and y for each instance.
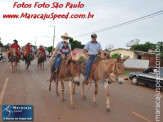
(107, 71)
(69, 71)
(13, 60)
(40, 62)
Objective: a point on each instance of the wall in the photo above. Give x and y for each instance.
(136, 63)
(124, 53)
(151, 58)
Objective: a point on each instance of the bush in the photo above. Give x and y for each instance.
(81, 58)
(115, 55)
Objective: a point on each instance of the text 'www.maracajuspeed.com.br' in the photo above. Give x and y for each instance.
(52, 16)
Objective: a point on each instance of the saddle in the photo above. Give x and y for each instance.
(93, 67)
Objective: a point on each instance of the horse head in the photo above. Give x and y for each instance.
(73, 69)
(119, 69)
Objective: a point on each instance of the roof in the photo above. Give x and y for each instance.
(136, 51)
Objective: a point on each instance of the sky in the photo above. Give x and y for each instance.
(106, 13)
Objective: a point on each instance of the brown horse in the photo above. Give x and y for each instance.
(13, 60)
(69, 71)
(107, 71)
(40, 62)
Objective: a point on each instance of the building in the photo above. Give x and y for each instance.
(135, 54)
(76, 53)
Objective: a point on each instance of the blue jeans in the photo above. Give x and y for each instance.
(58, 62)
(54, 62)
(88, 65)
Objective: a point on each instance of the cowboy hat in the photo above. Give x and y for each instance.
(65, 35)
(28, 43)
(15, 40)
(41, 45)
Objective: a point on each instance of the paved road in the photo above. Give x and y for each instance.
(129, 103)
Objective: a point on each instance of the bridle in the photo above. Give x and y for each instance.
(115, 73)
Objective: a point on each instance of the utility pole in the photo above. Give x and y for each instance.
(53, 37)
(35, 43)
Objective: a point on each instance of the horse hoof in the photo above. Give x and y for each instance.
(73, 92)
(57, 94)
(84, 97)
(63, 99)
(49, 89)
(72, 106)
(108, 109)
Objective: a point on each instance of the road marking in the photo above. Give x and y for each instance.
(3, 91)
(142, 117)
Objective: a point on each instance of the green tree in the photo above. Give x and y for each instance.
(75, 44)
(7, 46)
(161, 47)
(1, 44)
(81, 58)
(144, 47)
(49, 49)
(115, 55)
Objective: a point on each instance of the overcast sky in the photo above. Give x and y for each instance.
(107, 13)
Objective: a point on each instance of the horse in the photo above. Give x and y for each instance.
(28, 60)
(40, 62)
(106, 71)
(14, 60)
(69, 71)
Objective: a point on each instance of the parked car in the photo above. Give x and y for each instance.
(147, 77)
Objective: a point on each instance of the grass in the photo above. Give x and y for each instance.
(127, 72)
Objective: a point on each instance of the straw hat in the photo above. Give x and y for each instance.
(65, 35)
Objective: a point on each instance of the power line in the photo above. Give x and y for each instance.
(125, 23)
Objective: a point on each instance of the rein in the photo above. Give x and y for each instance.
(108, 73)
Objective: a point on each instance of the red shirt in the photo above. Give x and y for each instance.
(15, 46)
(28, 48)
(41, 49)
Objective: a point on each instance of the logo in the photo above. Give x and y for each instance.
(17, 112)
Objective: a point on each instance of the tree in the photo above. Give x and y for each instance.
(1, 44)
(49, 49)
(161, 47)
(144, 47)
(75, 44)
(7, 46)
(81, 58)
(115, 55)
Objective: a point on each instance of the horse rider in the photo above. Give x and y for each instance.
(15, 46)
(28, 48)
(56, 52)
(65, 51)
(41, 50)
(91, 49)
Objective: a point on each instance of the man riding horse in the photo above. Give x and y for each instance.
(15, 46)
(28, 48)
(41, 50)
(91, 49)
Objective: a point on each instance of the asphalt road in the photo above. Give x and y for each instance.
(129, 103)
